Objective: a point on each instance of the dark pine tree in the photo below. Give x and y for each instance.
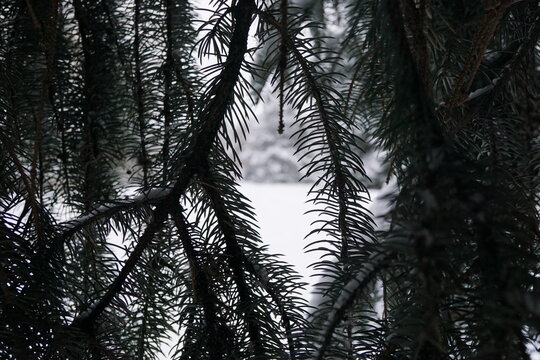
(121, 221)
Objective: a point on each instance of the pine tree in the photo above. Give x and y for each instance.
(121, 220)
(449, 90)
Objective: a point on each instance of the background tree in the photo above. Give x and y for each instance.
(107, 125)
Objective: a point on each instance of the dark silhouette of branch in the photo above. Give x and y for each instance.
(315, 88)
(215, 341)
(348, 295)
(518, 55)
(86, 319)
(211, 118)
(235, 257)
(270, 288)
(464, 79)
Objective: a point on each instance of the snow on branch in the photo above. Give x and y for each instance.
(483, 90)
(212, 119)
(531, 37)
(107, 210)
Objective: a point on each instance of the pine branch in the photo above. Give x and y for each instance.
(167, 113)
(186, 88)
(202, 290)
(86, 319)
(260, 274)
(90, 102)
(107, 211)
(122, 57)
(349, 293)
(332, 139)
(484, 35)
(212, 117)
(173, 65)
(508, 69)
(28, 185)
(49, 32)
(282, 65)
(503, 78)
(139, 100)
(235, 256)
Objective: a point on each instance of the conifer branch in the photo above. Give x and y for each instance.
(282, 66)
(86, 319)
(49, 32)
(349, 293)
(121, 56)
(30, 189)
(524, 47)
(113, 88)
(234, 253)
(276, 297)
(139, 100)
(108, 210)
(212, 118)
(484, 35)
(168, 119)
(202, 290)
(331, 137)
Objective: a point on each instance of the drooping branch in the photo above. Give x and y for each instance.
(235, 257)
(49, 32)
(332, 139)
(211, 118)
(282, 66)
(173, 66)
(259, 273)
(139, 97)
(86, 319)
(28, 186)
(167, 85)
(91, 105)
(201, 288)
(348, 295)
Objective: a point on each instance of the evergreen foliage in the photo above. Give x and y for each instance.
(121, 221)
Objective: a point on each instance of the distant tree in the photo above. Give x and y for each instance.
(108, 126)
